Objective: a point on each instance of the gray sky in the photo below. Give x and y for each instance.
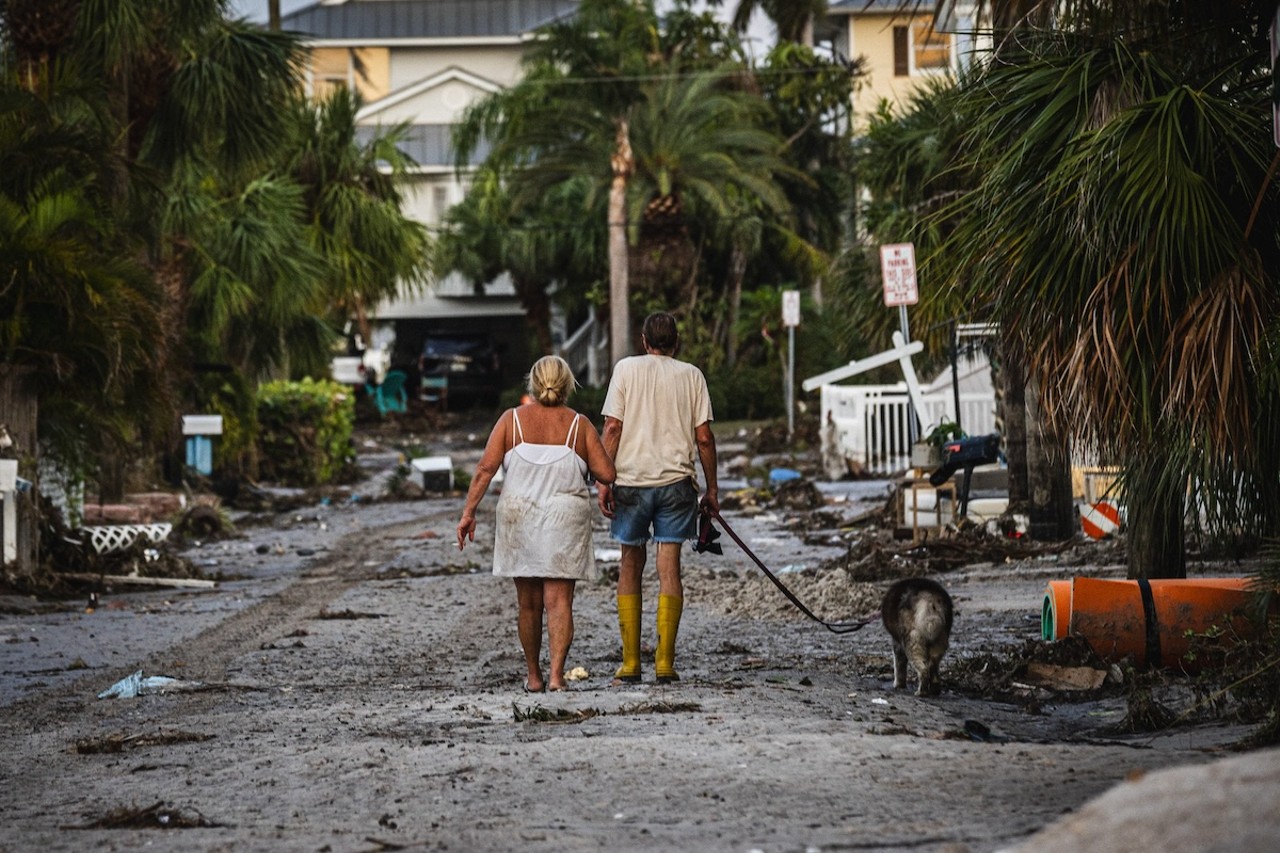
(759, 36)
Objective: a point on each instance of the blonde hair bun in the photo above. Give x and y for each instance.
(551, 380)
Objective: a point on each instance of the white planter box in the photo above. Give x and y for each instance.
(435, 473)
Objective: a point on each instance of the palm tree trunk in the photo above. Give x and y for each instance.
(619, 287)
(273, 15)
(737, 272)
(1012, 382)
(537, 311)
(1051, 512)
(1155, 521)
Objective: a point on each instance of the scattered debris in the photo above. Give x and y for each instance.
(539, 714)
(661, 708)
(1065, 677)
(139, 580)
(1145, 714)
(136, 685)
(157, 816)
(798, 494)
(118, 743)
(348, 614)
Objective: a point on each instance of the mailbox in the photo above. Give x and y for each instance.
(966, 453)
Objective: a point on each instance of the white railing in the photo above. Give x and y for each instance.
(872, 424)
(586, 352)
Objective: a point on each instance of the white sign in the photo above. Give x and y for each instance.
(791, 308)
(898, 268)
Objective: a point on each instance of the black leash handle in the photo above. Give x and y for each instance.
(833, 627)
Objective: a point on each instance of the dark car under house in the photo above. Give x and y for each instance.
(469, 363)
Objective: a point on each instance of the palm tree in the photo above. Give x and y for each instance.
(1125, 226)
(793, 18)
(354, 205)
(700, 149)
(658, 144)
(581, 78)
(538, 247)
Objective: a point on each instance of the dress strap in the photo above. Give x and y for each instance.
(519, 436)
(573, 431)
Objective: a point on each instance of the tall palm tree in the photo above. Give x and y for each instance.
(656, 141)
(352, 192)
(586, 73)
(1126, 228)
(700, 149)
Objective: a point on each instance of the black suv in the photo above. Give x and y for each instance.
(471, 363)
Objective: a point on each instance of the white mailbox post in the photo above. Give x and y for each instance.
(8, 511)
(198, 428)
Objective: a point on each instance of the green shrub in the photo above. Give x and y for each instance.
(304, 432)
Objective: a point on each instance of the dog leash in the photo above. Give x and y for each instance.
(707, 536)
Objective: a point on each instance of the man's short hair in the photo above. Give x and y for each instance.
(660, 332)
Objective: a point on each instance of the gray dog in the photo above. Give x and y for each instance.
(917, 614)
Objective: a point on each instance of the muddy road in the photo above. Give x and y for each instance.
(355, 684)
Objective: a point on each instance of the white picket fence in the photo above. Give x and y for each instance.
(869, 426)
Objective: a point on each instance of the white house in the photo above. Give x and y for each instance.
(424, 62)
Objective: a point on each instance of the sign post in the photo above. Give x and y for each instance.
(898, 270)
(791, 319)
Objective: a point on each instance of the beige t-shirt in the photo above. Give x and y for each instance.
(660, 402)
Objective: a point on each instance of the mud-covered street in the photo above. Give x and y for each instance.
(354, 683)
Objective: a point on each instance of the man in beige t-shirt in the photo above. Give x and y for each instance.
(657, 427)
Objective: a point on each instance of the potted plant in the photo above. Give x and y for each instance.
(927, 451)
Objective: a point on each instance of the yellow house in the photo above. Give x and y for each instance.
(899, 49)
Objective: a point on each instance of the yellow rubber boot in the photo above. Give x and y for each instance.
(664, 656)
(629, 627)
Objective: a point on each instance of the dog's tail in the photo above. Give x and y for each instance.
(931, 618)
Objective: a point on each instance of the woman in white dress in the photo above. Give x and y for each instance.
(543, 534)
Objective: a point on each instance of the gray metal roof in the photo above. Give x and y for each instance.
(853, 7)
(367, 20)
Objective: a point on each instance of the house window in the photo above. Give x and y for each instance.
(931, 50)
(331, 68)
(917, 49)
(440, 202)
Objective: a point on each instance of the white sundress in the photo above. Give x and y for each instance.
(544, 512)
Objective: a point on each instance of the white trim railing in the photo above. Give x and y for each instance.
(872, 424)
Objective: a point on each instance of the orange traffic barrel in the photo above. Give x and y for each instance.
(1148, 620)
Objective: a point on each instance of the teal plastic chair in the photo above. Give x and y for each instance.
(390, 395)
(435, 391)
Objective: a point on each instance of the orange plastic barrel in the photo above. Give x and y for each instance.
(1149, 620)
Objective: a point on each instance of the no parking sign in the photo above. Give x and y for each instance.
(898, 268)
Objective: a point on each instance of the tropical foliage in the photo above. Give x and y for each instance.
(659, 133)
(165, 234)
(1124, 227)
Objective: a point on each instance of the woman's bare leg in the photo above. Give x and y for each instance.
(529, 626)
(558, 596)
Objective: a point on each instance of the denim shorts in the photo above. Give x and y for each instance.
(671, 511)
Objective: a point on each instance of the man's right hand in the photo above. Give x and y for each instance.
(604, 496)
